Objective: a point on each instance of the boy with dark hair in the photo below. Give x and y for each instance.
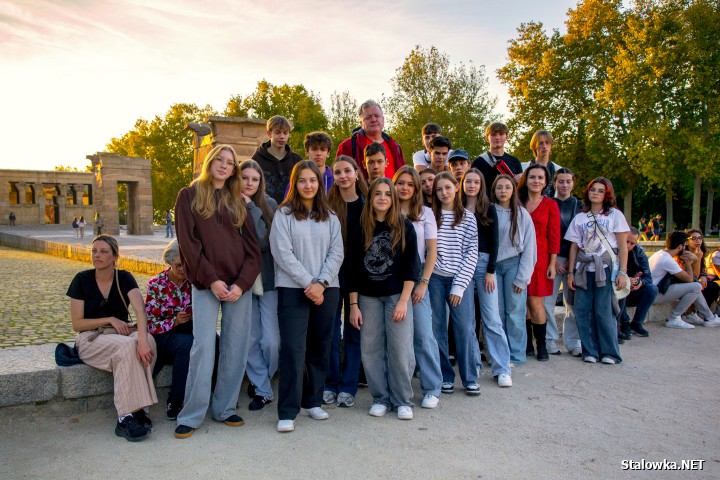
(459, 163)
(375, 161)
(439, 151)
(317, 148)
(276, 158)
(421, 158)
(665, 269)
(496, 161)
(642, 289)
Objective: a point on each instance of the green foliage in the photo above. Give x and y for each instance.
(426, 88)
(168, 145)
(343, 117)
(294, 102)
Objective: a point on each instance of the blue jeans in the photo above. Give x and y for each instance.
(234, 339)
(596, 323)
(495, 340)
(343, 375)
(427, 355)
(386, 350)
(463, 322)
(512, 308)
(264, 343)
(642, 299)
(169, 230)
(174, 349)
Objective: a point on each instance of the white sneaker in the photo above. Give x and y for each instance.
(576, 352)
(552, 347)
(286, 425)
(590, 359)
(677, 322)
(608, 361)
(712, 322)
(429, 401)
(404, 413)
(316, 413)
(692, 318)
(377, 410)
(504, 380)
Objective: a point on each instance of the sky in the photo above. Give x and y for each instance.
(76, 73)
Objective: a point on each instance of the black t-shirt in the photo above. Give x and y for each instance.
(84, 287)
(354, 210)
(490, 172)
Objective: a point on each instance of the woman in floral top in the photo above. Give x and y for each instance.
(169, 315)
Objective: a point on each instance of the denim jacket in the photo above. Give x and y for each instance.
(638, 262)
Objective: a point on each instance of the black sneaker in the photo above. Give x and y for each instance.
(183, 431)
(143, 419)
(172, 410)
(131, 429)
(639, 330)
(234, 421)
(258, 403)
(251, 390)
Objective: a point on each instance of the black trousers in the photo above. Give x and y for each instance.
(306, 332)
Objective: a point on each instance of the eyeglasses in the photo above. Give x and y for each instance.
(696, 239)
(227, 163)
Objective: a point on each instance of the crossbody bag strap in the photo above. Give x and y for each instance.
(604, 239)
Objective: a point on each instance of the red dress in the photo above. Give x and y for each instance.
(546, 218)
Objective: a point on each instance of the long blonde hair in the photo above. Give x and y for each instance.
(230, 195)
(415, 209)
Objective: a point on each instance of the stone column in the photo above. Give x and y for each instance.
(21, 187)
(79, 191)
(40, 202)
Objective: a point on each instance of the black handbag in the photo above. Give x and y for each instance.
(66, 356)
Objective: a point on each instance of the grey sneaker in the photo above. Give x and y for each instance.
(345, 400)
(329, 397)
(552, 347)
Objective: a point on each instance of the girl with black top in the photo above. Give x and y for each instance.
(346, 199)
(384, 267)
(99, 300)
(474, 198)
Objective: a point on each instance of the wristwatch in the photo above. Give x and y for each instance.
(324, 283)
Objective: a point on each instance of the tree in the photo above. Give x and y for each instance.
(168, 145)
(343, 116)
(294, 102)
(426, 88)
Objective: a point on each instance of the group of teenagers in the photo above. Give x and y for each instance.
(297, 255)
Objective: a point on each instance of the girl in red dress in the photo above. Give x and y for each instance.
(546, 218)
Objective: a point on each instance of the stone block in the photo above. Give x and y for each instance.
(28, 375)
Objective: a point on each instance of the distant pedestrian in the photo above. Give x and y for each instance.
(76, 227)
(169, 224)
(81, 225)
(12, 219)
(99, 223)
(656, 228)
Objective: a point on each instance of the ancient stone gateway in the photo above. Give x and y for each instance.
(243, 134)
(111, 169)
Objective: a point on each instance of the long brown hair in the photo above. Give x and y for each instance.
(483, 203)
(514, 204)
(522, 188)
(230, 198)
(260, 198)
(416, 201)
(458, 209)
(335, 200)
(320, 209)
(394, 219)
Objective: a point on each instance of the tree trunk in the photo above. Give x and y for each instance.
(669, 227)
(709, 212)
(697, 192)
(627, 205)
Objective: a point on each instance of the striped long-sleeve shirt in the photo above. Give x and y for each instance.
(457, 249)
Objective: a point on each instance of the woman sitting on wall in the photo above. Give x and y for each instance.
(99, 300)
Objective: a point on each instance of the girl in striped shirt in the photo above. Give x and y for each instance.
(457, 254)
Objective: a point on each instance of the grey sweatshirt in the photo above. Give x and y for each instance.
(305, 249)
(525, 244)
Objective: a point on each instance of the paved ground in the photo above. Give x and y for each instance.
(34, 309)
(562, 419)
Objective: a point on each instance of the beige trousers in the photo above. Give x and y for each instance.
(133, 383)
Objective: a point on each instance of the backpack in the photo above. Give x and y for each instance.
(74, 224)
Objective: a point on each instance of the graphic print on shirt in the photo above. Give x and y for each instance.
(379, 257)
(591, 234)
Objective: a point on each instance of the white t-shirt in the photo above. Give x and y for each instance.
(587, 231)
(661, 263)
(425, 229)
(422, 157)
